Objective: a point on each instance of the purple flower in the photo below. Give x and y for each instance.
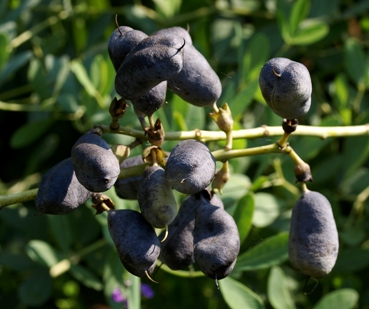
(146, 290)
(118, 297)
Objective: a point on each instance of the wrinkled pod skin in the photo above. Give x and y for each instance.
(155, 197)
(60, 192)
(197, 83)
(95, 165)
(127, 188)
(286, 87)
(150, 62)
(176, 31)
(190, 167)
(135, 240)
(121, 42)
(119, 46)
(177, 250)
(313, 239)
(216, 241)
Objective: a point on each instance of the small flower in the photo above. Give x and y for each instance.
(147, 291)
(118, 297)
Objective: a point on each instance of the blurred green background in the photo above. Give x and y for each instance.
(56, 82)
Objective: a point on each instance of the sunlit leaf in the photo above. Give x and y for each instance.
(269, 252)
(343, 299)
(238, 295)
(299, 11)
(243, 214)
(279, 294)
(309, 32)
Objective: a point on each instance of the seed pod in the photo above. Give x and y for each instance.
(313, 238)
(121, 42)
(151, 101)
(127, 188)
(190, 167)
(155, 197)
(95, 165)
(176, 31)
(197, 83)
(134, 238)
(216, 241)
(60, 192)
(286, 87)
(177, 249)
(152, 61)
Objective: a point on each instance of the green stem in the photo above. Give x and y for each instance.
(263, 131)
(19, 197)
(65, 264)
(180, 273)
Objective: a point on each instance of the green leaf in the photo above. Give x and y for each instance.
(4, 49)
(269, 252)
(82, 76)
(14, 64)
(167, 8)
(238, 295)
(355, 62)
(343, 299)
(267, 209)
(29, 133)
(284, 26)
(256, 54)
(243, 98)
(309, 32)
(300, 10)
(36, 289)
(85, 276)
(243, 214)
(195, 117)
(61, 230)
(278, 293)
(42, 253)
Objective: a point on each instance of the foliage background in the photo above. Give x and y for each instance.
(56, 82)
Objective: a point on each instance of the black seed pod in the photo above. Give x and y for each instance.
(177, 250)
(216, 241)
(155, 197)
(286, 87)
(134, 238)
(313, 239)
(153, 60)
(197, 83)
(190, 167)
(95, 165)
(182, 33)
(60, 192)
(121, 42)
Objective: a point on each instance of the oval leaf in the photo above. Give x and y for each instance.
(239, 296)
(85, 276)
(343, 299)
(278, 292)
(269, 252)
(243, 215)
(311, 31)
(42, 253)
(30, 132)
